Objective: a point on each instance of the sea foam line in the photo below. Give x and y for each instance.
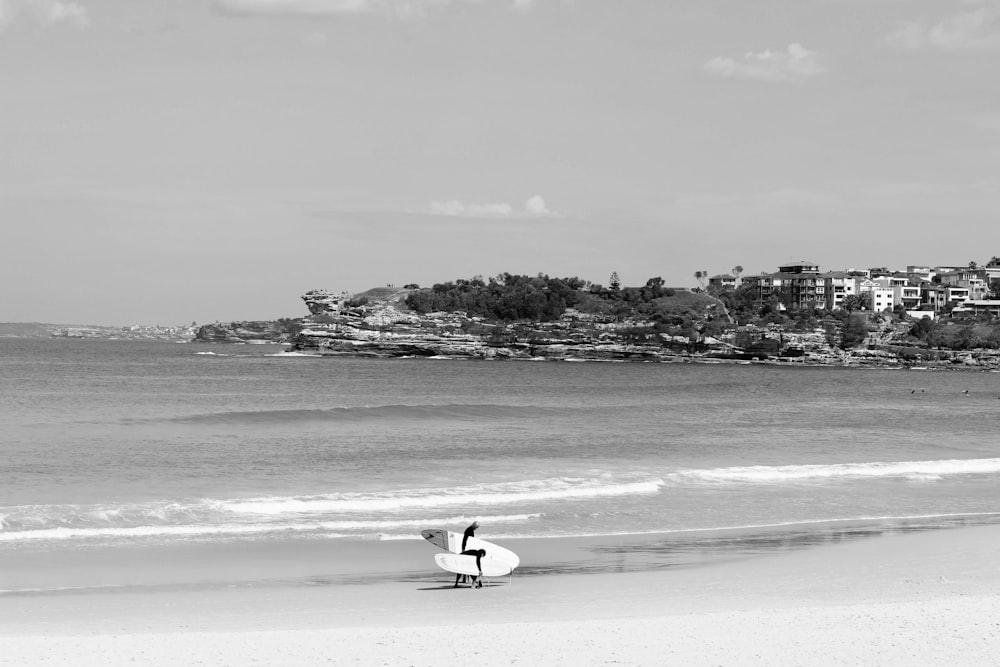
(911, 469)
(496, 495)
(202, 529)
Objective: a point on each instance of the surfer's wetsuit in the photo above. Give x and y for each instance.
(478, 553)
(469, 532)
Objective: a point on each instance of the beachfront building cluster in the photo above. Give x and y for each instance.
(920, 290)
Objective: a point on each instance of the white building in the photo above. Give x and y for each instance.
(838, 285)
(881, 292)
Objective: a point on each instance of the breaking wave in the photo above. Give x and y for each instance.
(484, 494)
(913, 470)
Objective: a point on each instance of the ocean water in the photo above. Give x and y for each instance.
(116, 444)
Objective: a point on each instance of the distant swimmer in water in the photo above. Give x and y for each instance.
(477, 582)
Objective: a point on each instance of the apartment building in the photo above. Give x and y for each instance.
(919, 288)
(837, 286)
(880, 291)
(975, 280)
(936, 296)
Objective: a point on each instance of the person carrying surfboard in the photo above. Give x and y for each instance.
(477, 582)
(469, 532)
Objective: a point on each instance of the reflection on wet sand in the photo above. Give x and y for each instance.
(698, 549)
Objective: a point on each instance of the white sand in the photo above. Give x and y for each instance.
(917, 599)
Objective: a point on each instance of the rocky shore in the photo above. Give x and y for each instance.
(265, 331)
(384, 327)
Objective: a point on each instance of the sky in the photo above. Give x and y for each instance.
(177, 161)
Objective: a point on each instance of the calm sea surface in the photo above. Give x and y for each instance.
(114, 442)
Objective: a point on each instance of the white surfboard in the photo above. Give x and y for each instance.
(452, 541)
(460, 564)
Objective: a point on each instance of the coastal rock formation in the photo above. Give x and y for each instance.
(384, 327)
(378, 323)
(320, 302)
(280, 331)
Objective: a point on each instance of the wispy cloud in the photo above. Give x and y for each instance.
(534, 207)
(43, 12)
(972, 30)
(400, 9)
(294, 7)
(793, 65)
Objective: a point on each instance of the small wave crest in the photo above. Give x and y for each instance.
(203, 519)
(410, 499)
(912, 470)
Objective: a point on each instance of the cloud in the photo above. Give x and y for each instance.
(294, 7)
(973, 30)
(534, 207)
(400, 9)
(793, 65)
(43, 12)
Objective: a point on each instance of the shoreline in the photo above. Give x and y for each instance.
(50, 569)
(986, 360)
(903, 598)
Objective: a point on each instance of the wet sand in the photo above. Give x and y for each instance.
(906, 598)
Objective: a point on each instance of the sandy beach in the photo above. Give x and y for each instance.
(919, 598)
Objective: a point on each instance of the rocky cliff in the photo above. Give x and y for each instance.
(280, 331)
(377, 323)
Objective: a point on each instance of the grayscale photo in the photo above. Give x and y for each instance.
(439, 333)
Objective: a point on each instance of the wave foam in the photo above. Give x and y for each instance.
(915, 470)
(488, 494)
(336, 528)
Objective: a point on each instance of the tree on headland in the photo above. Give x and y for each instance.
(614, 282)
(854, 331)
(853, 302)
(737, 272)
